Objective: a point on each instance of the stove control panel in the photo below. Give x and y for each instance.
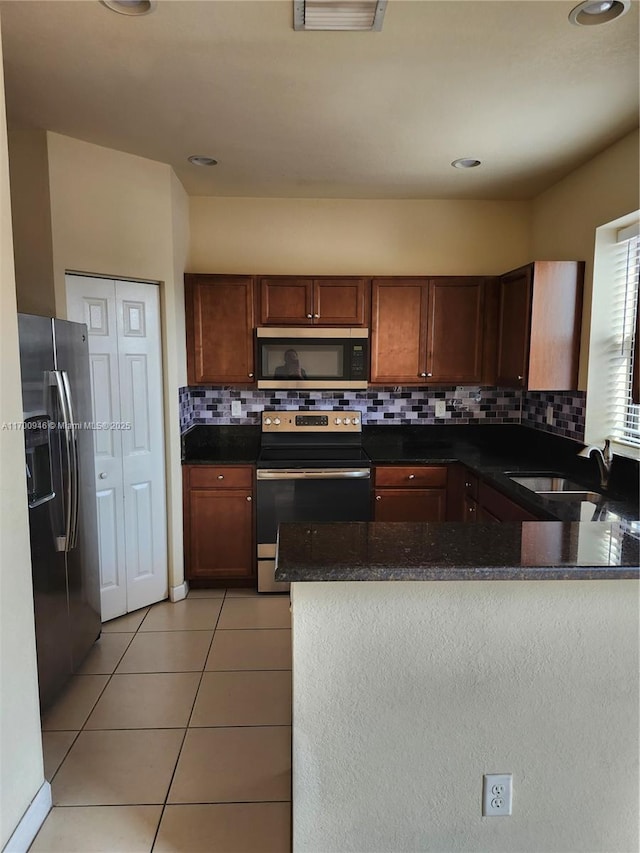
(318, 422)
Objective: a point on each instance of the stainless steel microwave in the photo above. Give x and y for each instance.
(312, 358)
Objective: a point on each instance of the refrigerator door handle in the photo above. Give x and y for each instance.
(62, 542)
(74, 466)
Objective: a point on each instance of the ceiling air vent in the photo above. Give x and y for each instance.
(338, 14)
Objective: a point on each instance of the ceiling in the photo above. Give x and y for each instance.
(330, 115)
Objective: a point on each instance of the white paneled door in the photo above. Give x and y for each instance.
(123, 320)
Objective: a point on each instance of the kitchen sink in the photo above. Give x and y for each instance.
(548, 483)
(592, 497)
(554, 487)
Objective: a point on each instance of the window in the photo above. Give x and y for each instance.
(613, 409)
(624, 306)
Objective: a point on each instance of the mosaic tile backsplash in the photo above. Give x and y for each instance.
(568, 412)
(463, 405)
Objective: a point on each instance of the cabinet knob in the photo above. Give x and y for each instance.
(422, 374)
(317, 316)
(103, 475)
(429, 374)
(520, 378)
(412, 476)
(467, 485)
(378, 497)
(309, 316)
(251, 376)
(472, 509)
(249, 498)
(221, 476)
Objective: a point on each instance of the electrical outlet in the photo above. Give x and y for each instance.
(236, 409)
(441, 408)
(550, 415)
(497, 794)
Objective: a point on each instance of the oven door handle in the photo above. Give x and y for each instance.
(314, 474)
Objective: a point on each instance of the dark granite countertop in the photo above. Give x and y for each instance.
(382, 551)
(221, 445)
(488, 451)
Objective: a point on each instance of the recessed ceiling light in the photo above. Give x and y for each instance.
(199, 160)
(130, 7)
(465, 163)
(348, 15)
(592, 12)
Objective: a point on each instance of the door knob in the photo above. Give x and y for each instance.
(103, 475)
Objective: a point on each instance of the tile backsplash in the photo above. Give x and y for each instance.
(463, 404)
(568, 412)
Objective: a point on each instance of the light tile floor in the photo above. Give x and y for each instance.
(175, 737)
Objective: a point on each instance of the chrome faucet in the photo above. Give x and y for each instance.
(604, 458)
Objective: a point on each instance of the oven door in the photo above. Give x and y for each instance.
(305, 495)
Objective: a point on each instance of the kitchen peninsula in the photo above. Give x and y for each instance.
(504, 649)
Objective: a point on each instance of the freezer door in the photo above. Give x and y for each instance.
(72, 359)
(46, 518)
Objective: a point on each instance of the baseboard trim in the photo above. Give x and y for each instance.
(177, 593)
(31, 822)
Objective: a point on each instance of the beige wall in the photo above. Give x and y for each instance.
(31, 215)
(405, 694)
(21, 770)
(566, 216)
(350, 237)
(122, 216)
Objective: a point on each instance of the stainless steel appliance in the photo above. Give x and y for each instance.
(312, 358)
(311, 468)
(56, 401)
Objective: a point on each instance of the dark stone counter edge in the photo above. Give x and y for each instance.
(530, 573)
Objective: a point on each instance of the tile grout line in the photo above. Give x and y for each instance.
(195, 699)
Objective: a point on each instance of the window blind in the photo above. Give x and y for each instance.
(620, 350)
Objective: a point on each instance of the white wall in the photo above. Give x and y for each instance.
(21, 770)
(566, 216)
(122, 216)
(405, 694)
(358, 237)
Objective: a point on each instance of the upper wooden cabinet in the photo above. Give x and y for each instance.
(540, 315)
(220, 319)
(292, 301)
(426, 330)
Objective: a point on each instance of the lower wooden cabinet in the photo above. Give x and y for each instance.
(219, 524)
(410, 493)
(494, 506)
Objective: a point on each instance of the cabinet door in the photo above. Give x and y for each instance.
(514, 328)
(286, 301)
(220, 320)
(220, 534)
(409, 504)
(454, 330)
(340, 302)
(398, 331)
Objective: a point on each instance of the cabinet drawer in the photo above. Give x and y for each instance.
(411, 476)
(220, 477)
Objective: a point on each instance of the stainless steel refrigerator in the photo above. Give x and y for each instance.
(56, 402)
